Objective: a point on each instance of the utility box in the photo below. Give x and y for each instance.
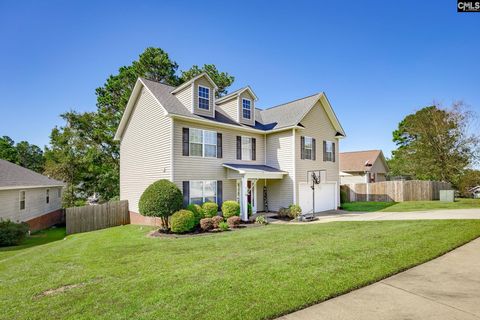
(447, 195)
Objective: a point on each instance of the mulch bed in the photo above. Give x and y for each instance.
(198, 232)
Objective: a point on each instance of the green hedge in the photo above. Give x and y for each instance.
(230, 208)
(11, 233)
(210, 209)
(182, 221)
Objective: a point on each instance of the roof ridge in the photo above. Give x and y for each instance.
(279, 105)
(361, 151)
(165, 84)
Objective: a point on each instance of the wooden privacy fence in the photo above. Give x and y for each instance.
(89, 218)
(398, 191)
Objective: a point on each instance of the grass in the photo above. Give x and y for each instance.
(256, 273)
(410, 205)
(35, 239)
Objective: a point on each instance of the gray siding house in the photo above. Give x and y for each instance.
(218, 149)
(29, 197)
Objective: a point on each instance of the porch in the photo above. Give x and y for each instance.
(247, 177)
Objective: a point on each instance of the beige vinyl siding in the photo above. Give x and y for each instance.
(204, 83)
(378, 166)
(279, 154)
(317, 125)
(246, 95)
(230, 108)
(145, 149)
(185, 96)
(354, 177)
(35, 203)
(188, 168)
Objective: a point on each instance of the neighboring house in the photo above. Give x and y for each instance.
(363, 167)
(29, 196)
(217, 149)
(475, 191)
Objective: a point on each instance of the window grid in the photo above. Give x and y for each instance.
(308, 148)
(47, 196)
(202, 143)
(329, 150)
(203, 191)
(246, 148)
(22, 200)
(203, 98)
(246, 109)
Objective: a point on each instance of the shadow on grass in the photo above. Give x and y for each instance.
(39, 238)
(366, 206)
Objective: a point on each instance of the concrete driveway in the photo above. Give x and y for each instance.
(340, 215)
(445, 288)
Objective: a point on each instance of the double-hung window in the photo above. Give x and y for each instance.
(203, 98)
(22, 200)
(47, 196)
(308, 148)
(246, 148)
(202, 143)
(329, 150)
(203, 191)
(246, 109)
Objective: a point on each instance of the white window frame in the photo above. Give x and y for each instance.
(329, 153)
(246, 109)
(47, 196)
(199, 97)
(203, 190)
(59, 193)
(203, 143)
(244, 148)
(24, 200)
(310, 157)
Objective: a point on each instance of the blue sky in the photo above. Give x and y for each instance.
(376, 61)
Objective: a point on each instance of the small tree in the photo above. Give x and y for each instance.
(161, 199)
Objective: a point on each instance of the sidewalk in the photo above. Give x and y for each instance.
(445, 288)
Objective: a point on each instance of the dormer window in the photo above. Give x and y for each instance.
(246, 109)
(203, 98)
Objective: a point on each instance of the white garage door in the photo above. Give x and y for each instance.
(324, 197)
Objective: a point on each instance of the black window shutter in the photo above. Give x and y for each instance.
(302, 147)
(186, 193)
(219, 145)
(219, 193)
(186, 137)
(239, 148)
(324, 150)
(254, 149)
(333, 151)
(314, 149)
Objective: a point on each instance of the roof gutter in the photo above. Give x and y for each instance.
(32, 187)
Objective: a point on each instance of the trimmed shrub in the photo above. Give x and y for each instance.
(210, 209)
(294, 211)
(283, 212)
(216, 221)
(161, 199)
(230, 208)
(11, 233)
(182, 221)
(223, 226)
(261, 220)
(234, 221)
(206, 224)
(197, 212)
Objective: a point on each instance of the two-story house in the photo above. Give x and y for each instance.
(218, 149)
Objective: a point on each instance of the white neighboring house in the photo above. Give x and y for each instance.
(29, 197)
(363, 167)
(217, 149)
(475, 191)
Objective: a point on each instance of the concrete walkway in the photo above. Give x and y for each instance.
(445, 288)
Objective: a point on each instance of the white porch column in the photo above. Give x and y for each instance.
(243, 199)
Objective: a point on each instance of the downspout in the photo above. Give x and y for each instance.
(294, 176)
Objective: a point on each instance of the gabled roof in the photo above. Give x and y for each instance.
(201, 75)
(236, 93)
(13, 176)
(360, 161)
(292, 113)
(282, 117)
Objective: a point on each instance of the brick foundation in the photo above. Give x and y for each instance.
(46, 220)
(137, 218)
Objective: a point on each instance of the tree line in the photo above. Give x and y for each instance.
(432, 143)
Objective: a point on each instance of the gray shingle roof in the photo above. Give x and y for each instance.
(253, 167)
(14, 176)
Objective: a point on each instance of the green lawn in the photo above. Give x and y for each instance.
(36, 239)
(253, 273)
(410, 205)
